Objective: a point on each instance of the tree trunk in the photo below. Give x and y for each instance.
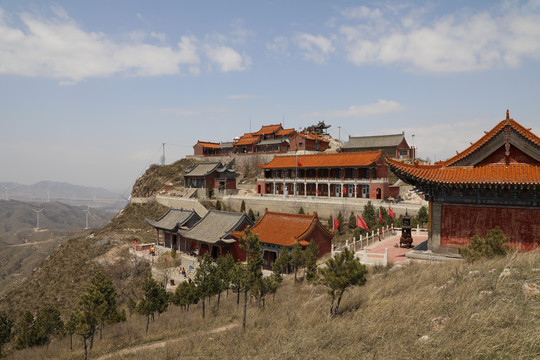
(238, 298)
(85, 349)
(218, 298)
(70, 342)
(332, 305)
(147, 321)
(245, 308)
(101, 331)
(92, 338)
(338, 302)
(203, 307)
(295, 271)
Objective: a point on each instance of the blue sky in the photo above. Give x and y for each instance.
(89, 90)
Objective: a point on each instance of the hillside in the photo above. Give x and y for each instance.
(451, 310)
(158, 177)
(68, 269)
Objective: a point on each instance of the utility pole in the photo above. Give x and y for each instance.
(37, 212)
(414, 149)
(163, 156)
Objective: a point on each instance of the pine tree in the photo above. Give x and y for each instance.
(106, 300)
(341, 226)
(48, 323)
(369, 216)
(236, 276)
(251, 215)
(253, 268)
(243, 206)
(6, 327)
(301, 211)
(310, 256)
(25, 331)
(69, 328)
(494, 244)
(282, 263)
(352, 221)
(224, 266)
(341, 272)
(206, 280)
(155, 299)
(85, 326)
(218, 205)
(297, 259)
(422, 216)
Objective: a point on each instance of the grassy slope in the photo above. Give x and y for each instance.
(468, 311)
(63, 276)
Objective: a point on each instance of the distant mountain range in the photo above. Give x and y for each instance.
(48, 191)
(17, 216)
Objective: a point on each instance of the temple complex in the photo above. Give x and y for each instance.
(344, 175)
(281, 231)
(494, 182)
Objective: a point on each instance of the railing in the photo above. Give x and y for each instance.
(359, 247)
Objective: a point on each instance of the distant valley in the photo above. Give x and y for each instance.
(23, 246)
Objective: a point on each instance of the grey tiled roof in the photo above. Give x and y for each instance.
(172, 219)
(215, 226)
(378, 141)
(203, 169)
(271, 142)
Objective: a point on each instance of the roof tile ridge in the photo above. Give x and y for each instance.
(524, 131)
(477, 144)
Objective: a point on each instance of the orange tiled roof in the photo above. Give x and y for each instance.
(492, 174)
(268, 129)
(365, 158)
(520, 129)
(208, 144)
(284, 132)
(247, 139)
(284, 229)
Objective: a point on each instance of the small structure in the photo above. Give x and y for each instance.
(494, 182)
(394, 146)
(213, 235)
(219, 178)
(308, 142)
(281, 231)
(169, 224)
(353, 175)
(406, 232)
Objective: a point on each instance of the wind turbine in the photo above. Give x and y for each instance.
(87, 211)
(37, 212)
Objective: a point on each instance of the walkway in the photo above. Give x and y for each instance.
(396, 254)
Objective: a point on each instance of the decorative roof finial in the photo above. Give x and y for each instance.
(507, 114)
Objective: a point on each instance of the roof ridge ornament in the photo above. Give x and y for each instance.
(507, 115)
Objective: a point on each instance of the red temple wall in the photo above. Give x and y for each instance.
(460, 223)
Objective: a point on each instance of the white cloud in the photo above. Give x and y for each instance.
(59, 48)
(359, 111)
(468, 41)
(279, 46)
(314, 48)
(227, 58)
(441, 141)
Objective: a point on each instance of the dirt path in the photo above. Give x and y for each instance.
(158, 344)
(30, 243)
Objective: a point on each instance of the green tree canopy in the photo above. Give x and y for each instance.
(155, 299)
(341, 272)
(494, 244)
(6, 327)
